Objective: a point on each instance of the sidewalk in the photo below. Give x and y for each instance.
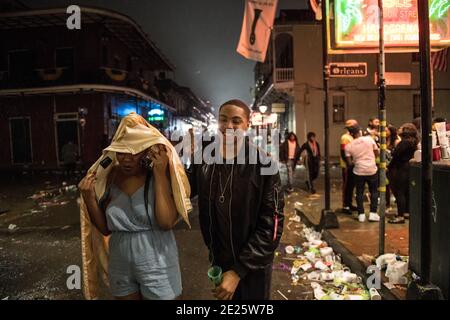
(358, 241)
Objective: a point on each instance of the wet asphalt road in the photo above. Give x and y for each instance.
(35, 256)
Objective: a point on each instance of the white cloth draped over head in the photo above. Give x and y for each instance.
(134, 135)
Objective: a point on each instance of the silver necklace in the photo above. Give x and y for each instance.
(223, 190)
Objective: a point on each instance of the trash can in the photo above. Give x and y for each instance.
(440, 224)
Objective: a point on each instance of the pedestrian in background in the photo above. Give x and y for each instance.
(398, 169)
(69, 157)
(290, 155)
(348, 179)
(312, 160)
(392, 140)
(361, 153)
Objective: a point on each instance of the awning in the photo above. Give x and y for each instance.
(82, 88)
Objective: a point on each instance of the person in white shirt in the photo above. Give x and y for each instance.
(362, 153)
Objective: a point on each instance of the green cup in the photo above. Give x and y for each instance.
(215, 275)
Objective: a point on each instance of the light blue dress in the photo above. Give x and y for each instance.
(143, 258)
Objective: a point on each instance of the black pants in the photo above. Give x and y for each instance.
(313, 170)
(372, 182)
(348, 178)
(399, 182)
(255, 286)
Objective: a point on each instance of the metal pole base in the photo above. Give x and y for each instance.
(328, 220)
(417, 291)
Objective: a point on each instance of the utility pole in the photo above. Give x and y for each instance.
(383, 123)
(328, 219)
(422, 289)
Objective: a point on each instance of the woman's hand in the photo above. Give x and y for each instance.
(160, 159)
(87, 187)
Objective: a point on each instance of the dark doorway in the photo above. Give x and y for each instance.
(20, 140)
(66, 131)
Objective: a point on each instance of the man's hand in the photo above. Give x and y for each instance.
(228, 286)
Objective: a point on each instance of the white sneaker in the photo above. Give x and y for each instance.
(374, 217)
(362, 217)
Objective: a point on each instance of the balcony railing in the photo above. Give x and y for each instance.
(284, 75)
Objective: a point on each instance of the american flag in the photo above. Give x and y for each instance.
(439, 60)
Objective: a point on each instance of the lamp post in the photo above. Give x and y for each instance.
(263, 110)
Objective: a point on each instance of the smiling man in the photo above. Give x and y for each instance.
(240, 209)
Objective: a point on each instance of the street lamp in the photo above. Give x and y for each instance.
(262, 109)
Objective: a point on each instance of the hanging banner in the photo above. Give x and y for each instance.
(256, 28)
(354, 25)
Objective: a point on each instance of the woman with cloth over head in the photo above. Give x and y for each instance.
(132, 198)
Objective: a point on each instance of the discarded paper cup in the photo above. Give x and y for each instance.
(215, 275)
(374, 295)
(289, 249)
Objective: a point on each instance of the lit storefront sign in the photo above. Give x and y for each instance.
(257, 119)
(155, 115)
(354, 25)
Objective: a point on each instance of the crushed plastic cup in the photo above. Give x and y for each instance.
(327, 251)
(12, 227)
(311, 256)
(350, 277)
(325, 276)
(314, 276)
(215, 275)
(399, 268)
(320, 265)
(385, 259)
(329, 259)
(316, 243)
(306, 266)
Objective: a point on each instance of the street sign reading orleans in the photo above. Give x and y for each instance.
(348, 70)
(354, 25)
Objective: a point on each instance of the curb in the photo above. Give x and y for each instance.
(348, 258)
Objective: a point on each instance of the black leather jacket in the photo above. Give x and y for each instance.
(257, 203)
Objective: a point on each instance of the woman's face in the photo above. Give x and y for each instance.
(312, 138)
(388, 132)
(292, 137)
(130, 164)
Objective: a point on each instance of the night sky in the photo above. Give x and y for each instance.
(198, 36)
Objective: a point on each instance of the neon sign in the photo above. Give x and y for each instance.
(354, 25)
(156, 115)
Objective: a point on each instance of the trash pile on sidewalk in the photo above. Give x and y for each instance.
(53, 196)
(314, 262)
(395, 266)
